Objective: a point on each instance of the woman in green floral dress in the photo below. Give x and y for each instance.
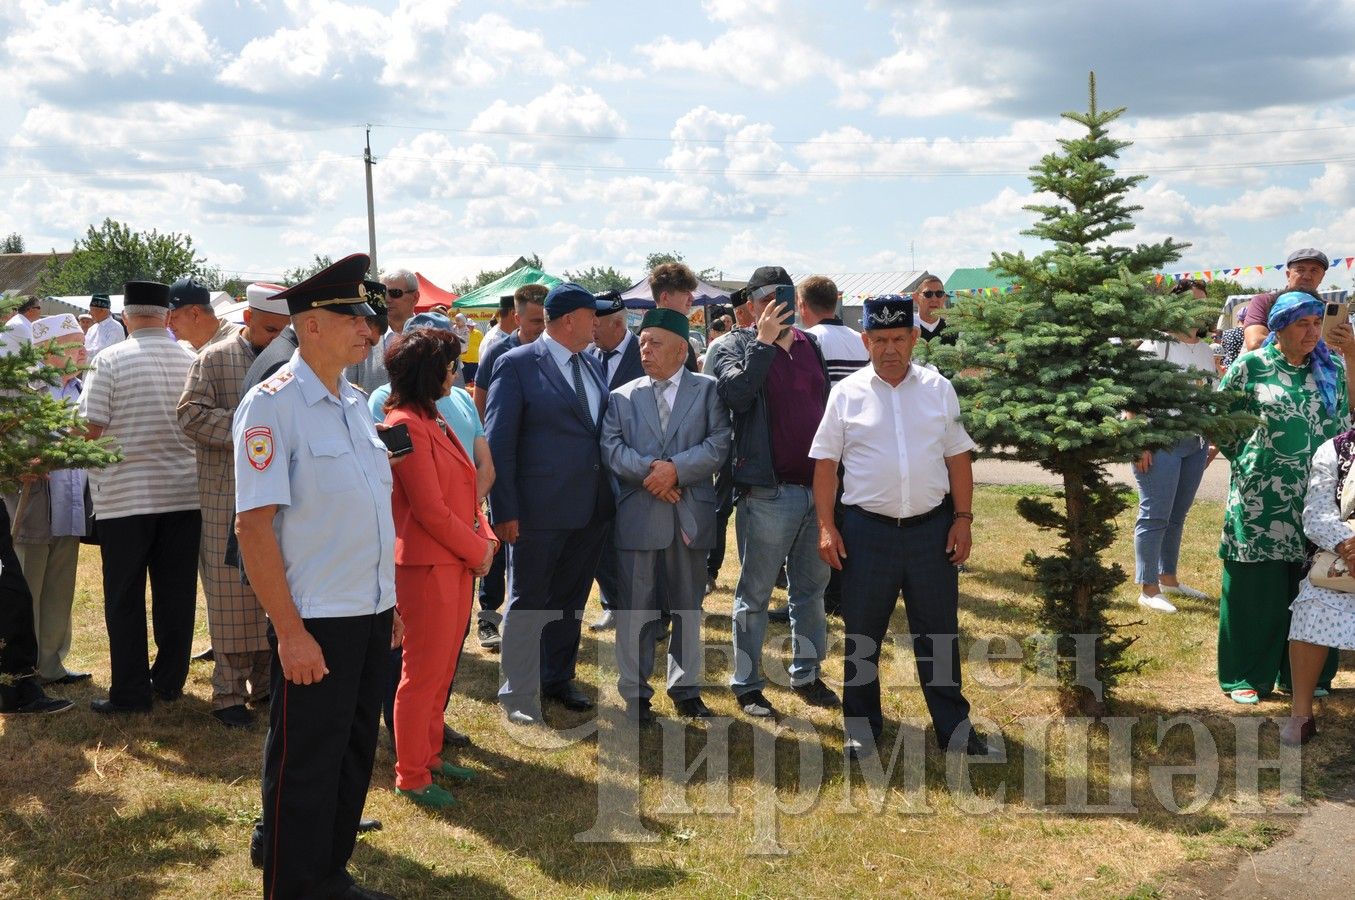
(1298, 390)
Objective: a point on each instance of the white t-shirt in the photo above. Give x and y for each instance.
(892, 441)
(1190, 357)
(843, 350)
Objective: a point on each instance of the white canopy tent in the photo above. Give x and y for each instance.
(223, 303)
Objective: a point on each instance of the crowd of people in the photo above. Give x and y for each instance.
(340, 472)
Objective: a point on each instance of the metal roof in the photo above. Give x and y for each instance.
(855, 287)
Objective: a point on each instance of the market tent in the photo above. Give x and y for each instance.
(430, 295)
(487, 296)
(638, 295)
(973, 281)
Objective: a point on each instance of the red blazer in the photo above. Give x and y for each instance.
(437, 519)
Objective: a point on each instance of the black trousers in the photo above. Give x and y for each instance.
(165, 546)
(317, 762)
(609, 571)
(882, 560)
(493, 586)
(18, 643)
(724, 508)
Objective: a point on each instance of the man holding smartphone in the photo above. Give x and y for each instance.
(774, 380)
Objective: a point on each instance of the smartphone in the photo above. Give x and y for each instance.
(785, 294)
(1336, 315)
(396, 439)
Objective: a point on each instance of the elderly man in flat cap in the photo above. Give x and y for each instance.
(146, 506)
(317, 538)
(664, 436)
(191, 316)
(106, 330)
(206, 409)
(894, 427)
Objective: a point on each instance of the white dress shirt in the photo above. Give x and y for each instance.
(610, 365)
(892, 441)
(103, 334)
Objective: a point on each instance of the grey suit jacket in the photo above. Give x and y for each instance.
(697, 442)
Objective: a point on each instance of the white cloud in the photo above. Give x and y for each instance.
(564, 109)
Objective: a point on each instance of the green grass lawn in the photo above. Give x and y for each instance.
(161, 805)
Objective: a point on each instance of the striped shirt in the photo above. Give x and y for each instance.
(843, 350)
(132, 390)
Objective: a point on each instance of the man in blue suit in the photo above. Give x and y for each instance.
(619, 352)
(551, 501)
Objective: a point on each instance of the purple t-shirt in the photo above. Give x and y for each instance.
(795, 390)
(1258, 309)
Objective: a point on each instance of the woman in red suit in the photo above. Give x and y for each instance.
(441, 540)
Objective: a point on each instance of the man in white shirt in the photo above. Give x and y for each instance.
(908, 486)
(106, 330)
(816, 301)
(19, 329)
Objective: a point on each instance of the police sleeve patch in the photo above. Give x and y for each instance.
(259, 446)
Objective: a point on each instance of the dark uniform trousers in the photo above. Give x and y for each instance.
(882, 560)
(609, 571)
(493, 586)
(318, 757)
(165, 545)
(18, 643)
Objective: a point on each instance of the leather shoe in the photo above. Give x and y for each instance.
(207, 655)
(754, 704)
(522, 718)
(40, 706)
(365, 825)
(236, 716)
(975, 745)
(453, 738)
(604, 622)
(693, 708)
(640, 712)
(1298, 730)
(108, 707)
(816, 693)
(71, 678)
(256, 846)
(570, 697)
(710, 585)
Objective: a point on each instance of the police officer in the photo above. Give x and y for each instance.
(313, 502)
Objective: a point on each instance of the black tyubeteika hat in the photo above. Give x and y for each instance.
(339, 288)
(889, 311)
(100, 301)
(145, 293)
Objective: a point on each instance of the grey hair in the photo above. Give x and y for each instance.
(148, 310)
(410, 283)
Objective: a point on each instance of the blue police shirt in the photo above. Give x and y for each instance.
(457, 408)
(318, 459)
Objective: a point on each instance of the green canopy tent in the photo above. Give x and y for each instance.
(964, 281)
(489, 294)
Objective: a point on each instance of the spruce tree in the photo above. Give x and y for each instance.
(1049, 371)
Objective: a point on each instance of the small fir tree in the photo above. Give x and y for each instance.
(1048, 372)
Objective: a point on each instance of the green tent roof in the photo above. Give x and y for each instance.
(976, 279)
(489, 294)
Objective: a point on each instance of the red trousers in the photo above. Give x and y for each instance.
(434, 603)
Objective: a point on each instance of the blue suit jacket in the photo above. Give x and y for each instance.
(549, 464)
(628, 369)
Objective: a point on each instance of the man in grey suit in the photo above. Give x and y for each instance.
(664, 436)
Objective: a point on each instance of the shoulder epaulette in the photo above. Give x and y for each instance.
(276, 383)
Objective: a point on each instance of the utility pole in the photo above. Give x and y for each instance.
(367, 163)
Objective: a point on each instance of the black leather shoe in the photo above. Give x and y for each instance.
(71, 678)
(208, 655)
(168, 695)
(453, 738)
(640, 712)
(570, 697)
(365, 825)
(256, 846)
(816, 693)
(108, 707)
(693, 708)
(754, 704)
(39, 707)
(236, 716)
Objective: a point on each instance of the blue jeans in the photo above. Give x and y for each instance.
(1166, 492)
(777, 524)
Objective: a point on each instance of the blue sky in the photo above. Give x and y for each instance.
(819, 136)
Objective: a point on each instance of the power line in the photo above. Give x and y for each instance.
(194, 170)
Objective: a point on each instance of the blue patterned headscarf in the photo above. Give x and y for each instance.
(1290, 307)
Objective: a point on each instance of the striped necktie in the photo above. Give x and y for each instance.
(580, 392)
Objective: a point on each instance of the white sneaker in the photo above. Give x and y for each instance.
(1181, 590)
(1157, 604)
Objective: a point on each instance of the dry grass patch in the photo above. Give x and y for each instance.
(161, 805)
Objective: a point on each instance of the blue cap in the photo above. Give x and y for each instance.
(888, 311)
(428, 320)
(188, 291)
(567, 296)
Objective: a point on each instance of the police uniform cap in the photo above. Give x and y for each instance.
(668, 320)
(888, 311)
(339, 288)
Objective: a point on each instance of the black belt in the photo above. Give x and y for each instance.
(910, 520)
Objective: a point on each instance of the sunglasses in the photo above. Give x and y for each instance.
(397, 293)
(932, 295)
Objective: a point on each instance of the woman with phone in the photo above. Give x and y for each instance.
(1297, 389)
(442, 540)
(1168, 478)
